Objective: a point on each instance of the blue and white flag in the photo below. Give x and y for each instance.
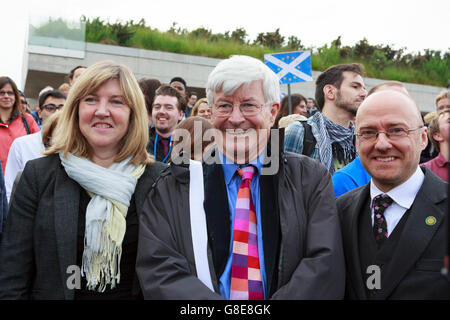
(290, 66)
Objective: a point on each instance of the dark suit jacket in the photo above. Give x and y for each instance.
(414, 269)
(40, 239)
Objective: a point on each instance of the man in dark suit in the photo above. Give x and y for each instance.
(270, 231)
(394, 227)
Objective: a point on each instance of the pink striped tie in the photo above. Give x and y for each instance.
(246, 281)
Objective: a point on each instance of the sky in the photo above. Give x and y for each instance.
(414, 24)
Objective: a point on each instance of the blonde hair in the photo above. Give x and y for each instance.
(197, 105)
(434, 128)
(67, 135)
(442, 95)
(48, 128)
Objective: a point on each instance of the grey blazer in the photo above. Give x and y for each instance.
(40, 239)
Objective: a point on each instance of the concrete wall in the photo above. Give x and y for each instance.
(48, 67)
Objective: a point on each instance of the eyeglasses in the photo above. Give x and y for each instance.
(7, 93)
(51, 107)
(248, 109)
(23, 101)
(394, 133)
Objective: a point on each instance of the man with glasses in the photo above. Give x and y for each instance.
(269, 231)
(394, 227)
(29, 147)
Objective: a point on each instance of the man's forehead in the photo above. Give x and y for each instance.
(391, 102)
(253, 89)
(54, 99)
(351, 76)
(166, 99)
(177, 84)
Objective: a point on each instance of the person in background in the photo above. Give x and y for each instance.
(394, 228)
(74, 74)
(339, 91)
(30, 146)
(439, 135)
(188, 137)
(36, 108)
(442, 101)
(64, 88)
(78, 207)
(311, 107)
(167, 111)
(148, 87)
(24, 103)
(298, 107)
(179, 84)
(13, 122)
(202, 109)
(191, 100)
(271, 231)
(47, 132)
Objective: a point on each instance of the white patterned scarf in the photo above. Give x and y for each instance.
(111, 190)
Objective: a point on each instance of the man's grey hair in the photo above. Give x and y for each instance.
(239, 70)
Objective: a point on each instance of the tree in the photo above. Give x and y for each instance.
(270, 39)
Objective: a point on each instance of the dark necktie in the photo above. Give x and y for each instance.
(380, 204)
(165, 145)
(246, 283)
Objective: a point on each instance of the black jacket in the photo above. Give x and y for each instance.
(40, 238)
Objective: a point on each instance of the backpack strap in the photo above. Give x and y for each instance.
(309, 141)
(25, 123)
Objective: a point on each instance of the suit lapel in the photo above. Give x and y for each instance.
(416, 234)
(217, 215)
(270, 226)
(357, 210)
(66, 203)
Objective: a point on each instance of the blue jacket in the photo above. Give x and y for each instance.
(350, 177)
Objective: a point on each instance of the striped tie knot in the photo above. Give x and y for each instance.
(247, 172)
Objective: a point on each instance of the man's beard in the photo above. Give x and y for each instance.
(346, 105)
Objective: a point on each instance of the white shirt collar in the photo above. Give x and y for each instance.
(403, 194)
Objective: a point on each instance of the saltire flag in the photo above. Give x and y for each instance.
(290, 66)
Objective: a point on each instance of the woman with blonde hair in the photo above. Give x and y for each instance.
(202, 109)
(71, 232)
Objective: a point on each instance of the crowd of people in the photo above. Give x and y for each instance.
(119, 188)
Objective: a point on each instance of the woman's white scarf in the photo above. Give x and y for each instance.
(111, 190)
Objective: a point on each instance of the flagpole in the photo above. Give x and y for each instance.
(289, 98)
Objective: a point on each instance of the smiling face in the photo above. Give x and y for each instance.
(103, 118)
(390, 162)
(239, 142)
(7, 97)
(165, 114)
(204, 111)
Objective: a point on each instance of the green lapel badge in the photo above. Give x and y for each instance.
(430, 221)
